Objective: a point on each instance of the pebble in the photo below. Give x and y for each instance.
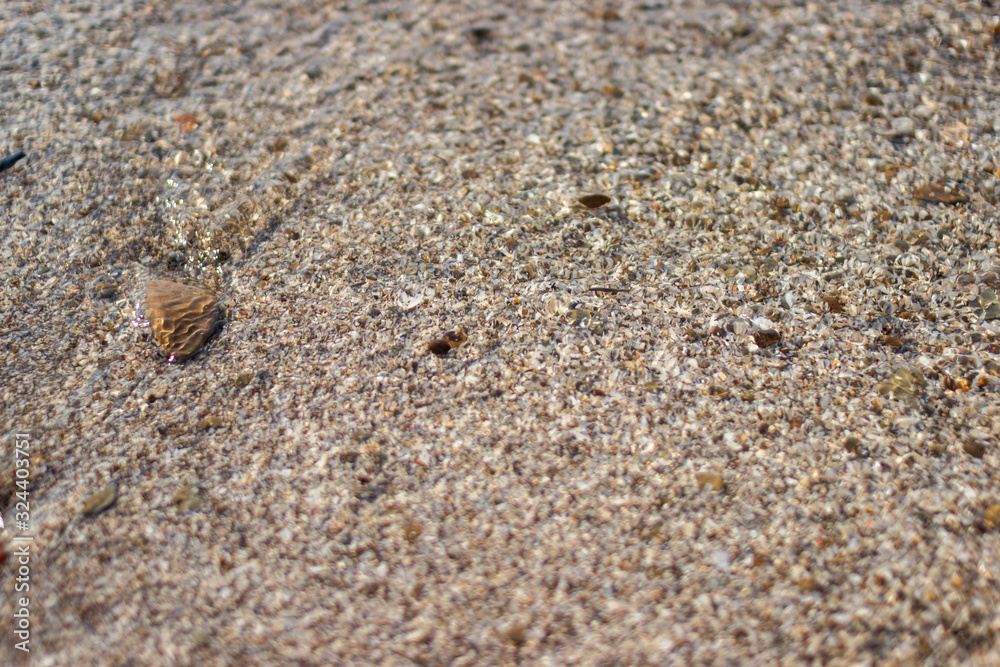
(834, 304)
(188, 499)
(767, 337)
(100, 500)
(991, 517)
(895, 342)
(182, 317)
(439, 347)
(515, 632)
(711, 479)
(939, 193)
(974, 448)
(211, 421)
(902, 127)
(904, 382)
(105, 290)
(594, 200)
(456, 337)
(853, 444)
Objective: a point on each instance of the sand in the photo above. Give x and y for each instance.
(743, 413)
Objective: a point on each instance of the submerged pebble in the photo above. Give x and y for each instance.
(100, 500)
(182, 317)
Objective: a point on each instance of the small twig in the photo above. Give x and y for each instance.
(611, 290)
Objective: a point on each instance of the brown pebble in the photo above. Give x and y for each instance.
(853, 445)
(883, 214)
(515, 633)
(766, 337)
(188, 498)
(480, 34)
(991, 517)
(712, 479)
(594, 201)
(974, 448)
(412, 530)
(905, 382)
(808, 585)
(186, 121)
(182, 317)
(895, 342)
(891, 171)
(611, 90)
(455, 337)
(143, 130)
(834, 304)
(718, 391)
(439, 346)
(872, 99)
(211, 421)
(100, 500)
(105, 290)
(939, 194)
